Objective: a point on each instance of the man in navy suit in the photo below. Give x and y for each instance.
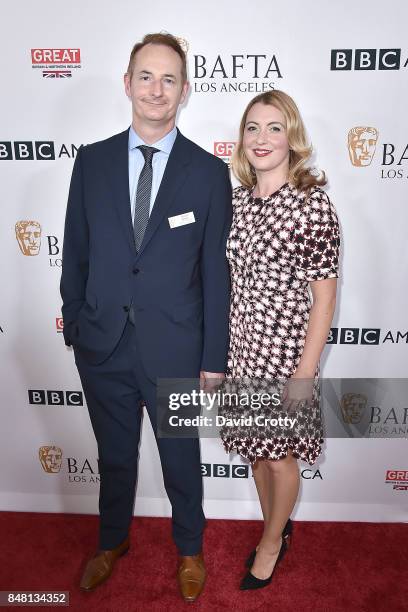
(145, 289)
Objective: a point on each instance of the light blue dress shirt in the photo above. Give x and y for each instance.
(136, 163)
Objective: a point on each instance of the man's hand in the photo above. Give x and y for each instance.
(209, 381)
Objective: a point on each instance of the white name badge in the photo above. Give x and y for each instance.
(182, 219)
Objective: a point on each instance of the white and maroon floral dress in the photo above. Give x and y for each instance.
(277, 245)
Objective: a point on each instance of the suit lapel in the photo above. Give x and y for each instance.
(119, 173)
(175, 175)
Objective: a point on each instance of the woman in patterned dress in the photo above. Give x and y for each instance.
(283, 246)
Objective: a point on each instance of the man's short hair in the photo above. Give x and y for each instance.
(160, 38)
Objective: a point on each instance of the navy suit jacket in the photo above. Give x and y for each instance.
(177, 284)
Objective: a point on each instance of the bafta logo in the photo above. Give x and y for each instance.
(361, 145)
(352, 407)
(51, 459)
(28, 234)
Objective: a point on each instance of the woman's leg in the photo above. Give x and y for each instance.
(283, 488)
(262, 479)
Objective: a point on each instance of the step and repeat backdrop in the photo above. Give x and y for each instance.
(346, 65)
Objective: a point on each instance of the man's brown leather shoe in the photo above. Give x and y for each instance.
(99, 568)
(191, 576)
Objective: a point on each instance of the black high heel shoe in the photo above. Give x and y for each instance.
(286, 534)
(251, 582)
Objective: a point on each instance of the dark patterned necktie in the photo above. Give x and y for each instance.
(143, 193)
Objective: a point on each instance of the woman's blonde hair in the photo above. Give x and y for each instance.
(300, 151)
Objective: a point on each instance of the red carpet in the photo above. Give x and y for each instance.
(330, 567)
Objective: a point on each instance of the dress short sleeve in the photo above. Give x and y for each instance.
(317, 239)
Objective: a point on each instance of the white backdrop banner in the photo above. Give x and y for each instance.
(62, 73)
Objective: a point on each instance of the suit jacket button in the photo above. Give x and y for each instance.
(135, 270)
(126, 308)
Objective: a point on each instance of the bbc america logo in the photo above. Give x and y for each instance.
(43, 397)
(225, 470)
(353, 335)
(365, 335)
(41, 150)
(366, 59)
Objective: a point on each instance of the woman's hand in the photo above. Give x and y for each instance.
(297, 393)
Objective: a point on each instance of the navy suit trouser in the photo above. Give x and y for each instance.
(114, 391)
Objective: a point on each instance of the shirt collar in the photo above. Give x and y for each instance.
(165, 144)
